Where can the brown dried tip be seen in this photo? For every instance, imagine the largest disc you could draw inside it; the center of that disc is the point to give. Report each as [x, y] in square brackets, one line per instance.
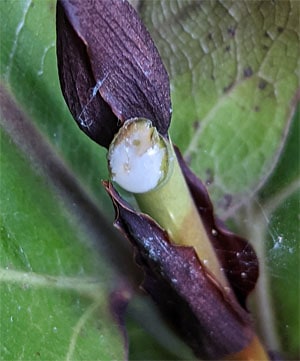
[109, 68]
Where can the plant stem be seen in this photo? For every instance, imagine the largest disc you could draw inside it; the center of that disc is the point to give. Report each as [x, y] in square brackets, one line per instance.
[139, 158]
[145, 164]
[172, 206]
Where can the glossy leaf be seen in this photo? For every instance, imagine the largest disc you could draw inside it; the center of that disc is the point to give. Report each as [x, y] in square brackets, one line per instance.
[54, 291]
[28, 67]
[276, 239]
[234, 74]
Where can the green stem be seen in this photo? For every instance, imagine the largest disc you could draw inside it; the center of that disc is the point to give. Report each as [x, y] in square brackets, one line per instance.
[173, 208]
[145, 164]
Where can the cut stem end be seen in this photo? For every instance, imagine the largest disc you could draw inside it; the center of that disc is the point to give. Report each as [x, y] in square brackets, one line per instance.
[138, 156]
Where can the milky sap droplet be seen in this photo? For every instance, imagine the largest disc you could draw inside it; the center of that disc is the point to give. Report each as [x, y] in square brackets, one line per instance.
[137, 156]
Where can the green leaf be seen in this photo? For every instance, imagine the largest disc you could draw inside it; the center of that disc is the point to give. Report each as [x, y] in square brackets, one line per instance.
[29, 28]
[234, 71]
[277, 219]
[234, 75]
[54, 290]
[270, 221]
[65, 309]
[53, 287]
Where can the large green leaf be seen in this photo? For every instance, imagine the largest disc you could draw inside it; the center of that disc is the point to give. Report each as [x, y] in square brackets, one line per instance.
[234, 74]
[275, 215]
[233, 69]
[28, 65]
[270, 221]
[54, 293]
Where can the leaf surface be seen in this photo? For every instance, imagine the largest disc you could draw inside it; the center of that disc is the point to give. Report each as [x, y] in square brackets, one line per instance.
[28, 67]
[234, 156]
[54, 291]
[234, 70]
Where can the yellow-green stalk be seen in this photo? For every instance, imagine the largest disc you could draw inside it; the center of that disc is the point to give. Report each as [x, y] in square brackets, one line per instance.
[144, 163]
